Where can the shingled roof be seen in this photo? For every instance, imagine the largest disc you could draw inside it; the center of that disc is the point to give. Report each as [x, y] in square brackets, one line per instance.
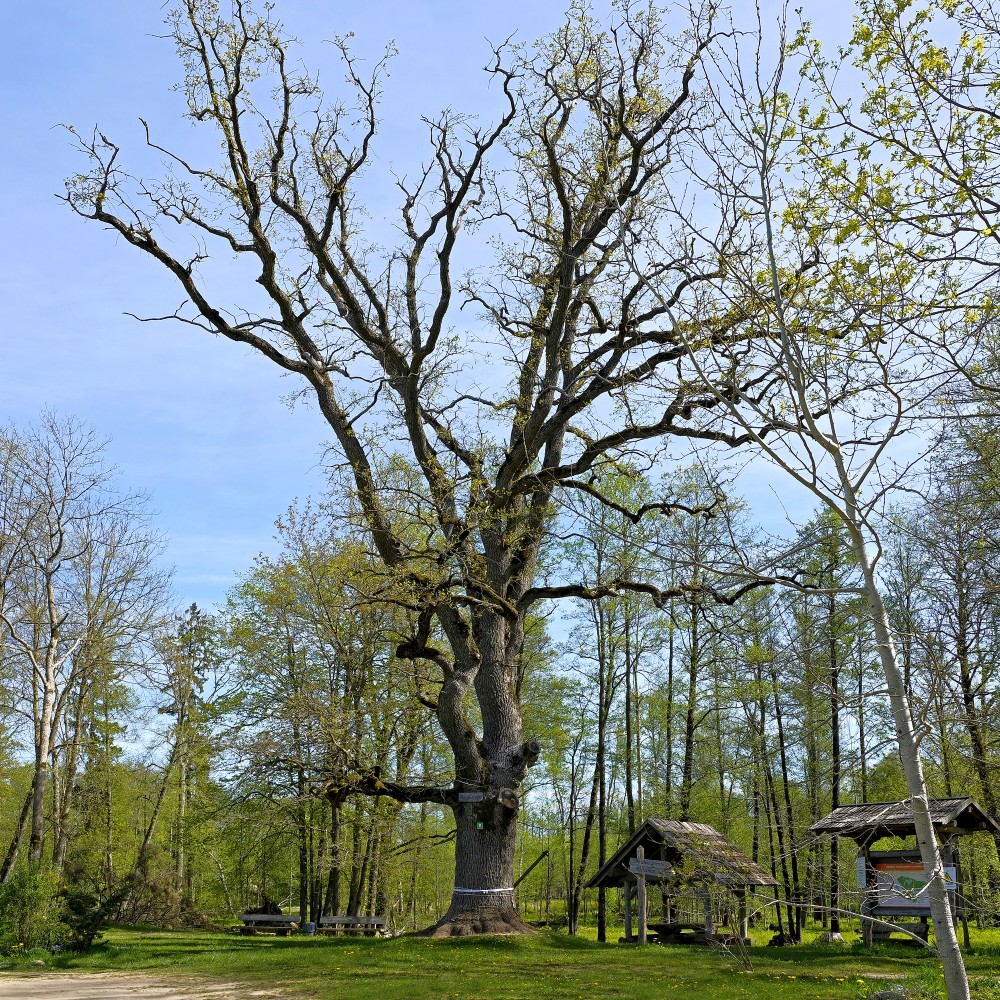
[871, 820]
[697, 850]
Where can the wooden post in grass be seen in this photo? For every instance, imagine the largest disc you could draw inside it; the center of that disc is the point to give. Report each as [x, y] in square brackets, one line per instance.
[640, 884]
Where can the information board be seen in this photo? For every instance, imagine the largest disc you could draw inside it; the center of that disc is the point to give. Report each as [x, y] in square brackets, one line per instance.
[902, 884]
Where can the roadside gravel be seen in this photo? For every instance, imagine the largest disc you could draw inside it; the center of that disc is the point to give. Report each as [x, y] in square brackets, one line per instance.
[124, 986]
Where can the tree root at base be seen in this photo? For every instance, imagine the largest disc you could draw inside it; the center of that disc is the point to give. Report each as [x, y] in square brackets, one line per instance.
[478, 922]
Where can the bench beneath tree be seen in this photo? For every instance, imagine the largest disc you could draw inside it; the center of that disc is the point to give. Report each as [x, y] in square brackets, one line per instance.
[352, 925]
[275, 923]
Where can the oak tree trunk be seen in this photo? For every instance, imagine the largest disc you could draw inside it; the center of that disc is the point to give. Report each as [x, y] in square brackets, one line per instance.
[482, 901]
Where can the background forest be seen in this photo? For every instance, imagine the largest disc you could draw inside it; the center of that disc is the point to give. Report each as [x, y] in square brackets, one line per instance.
[162, 767]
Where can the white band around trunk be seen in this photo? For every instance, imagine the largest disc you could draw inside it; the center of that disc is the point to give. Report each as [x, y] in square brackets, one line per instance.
[478, 892]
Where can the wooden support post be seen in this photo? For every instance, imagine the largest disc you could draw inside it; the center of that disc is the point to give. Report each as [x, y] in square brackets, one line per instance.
[640, 885]
[867, 897]
[665, 902]
[628, 910]
[709, 929]
[744, 923]
[950, 855]
[527, 871]
[948, 859]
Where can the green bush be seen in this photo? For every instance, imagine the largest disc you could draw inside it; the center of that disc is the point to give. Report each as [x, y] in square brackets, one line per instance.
[30, 910]
[83, 917]
[35, 912]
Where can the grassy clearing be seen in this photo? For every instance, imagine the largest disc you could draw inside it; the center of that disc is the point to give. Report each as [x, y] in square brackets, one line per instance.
[549, 965]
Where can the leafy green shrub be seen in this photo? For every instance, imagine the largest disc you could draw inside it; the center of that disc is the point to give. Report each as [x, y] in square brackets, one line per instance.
[36, 913]
[30, 910]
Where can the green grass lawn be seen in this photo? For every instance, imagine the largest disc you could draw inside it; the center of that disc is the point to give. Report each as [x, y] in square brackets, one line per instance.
[548, 965]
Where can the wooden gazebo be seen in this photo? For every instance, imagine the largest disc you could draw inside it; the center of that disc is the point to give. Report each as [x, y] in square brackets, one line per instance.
[893, 881]
[681, 859]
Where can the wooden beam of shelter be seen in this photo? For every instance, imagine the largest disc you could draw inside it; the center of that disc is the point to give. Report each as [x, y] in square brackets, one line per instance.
[866, 822]
[694, 853]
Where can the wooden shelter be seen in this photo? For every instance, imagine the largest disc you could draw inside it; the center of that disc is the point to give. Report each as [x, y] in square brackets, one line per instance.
[681, 859]
[892, 881]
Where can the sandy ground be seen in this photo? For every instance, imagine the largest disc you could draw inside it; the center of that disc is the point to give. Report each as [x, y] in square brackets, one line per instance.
[123, 986]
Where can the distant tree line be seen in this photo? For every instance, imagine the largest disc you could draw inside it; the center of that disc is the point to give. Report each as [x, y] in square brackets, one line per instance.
[183, 757]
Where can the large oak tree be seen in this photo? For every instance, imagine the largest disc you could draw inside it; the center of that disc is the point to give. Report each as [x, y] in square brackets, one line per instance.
[504, 387]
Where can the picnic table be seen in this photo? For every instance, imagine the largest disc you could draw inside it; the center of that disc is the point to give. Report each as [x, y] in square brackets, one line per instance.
[678, 932]
[352, 925]
[281, 924]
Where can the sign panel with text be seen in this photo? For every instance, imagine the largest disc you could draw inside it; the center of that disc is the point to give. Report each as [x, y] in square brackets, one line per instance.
[902, 885]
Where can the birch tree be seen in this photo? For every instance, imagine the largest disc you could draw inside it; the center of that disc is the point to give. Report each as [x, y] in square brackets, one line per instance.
[842, 374]
[77, 581]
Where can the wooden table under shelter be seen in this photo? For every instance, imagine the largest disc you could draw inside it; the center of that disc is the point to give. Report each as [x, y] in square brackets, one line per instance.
[891, 880]
[680, 860]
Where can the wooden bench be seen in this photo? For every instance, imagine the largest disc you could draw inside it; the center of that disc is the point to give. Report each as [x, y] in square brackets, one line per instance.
[882, 932]
[275, 923]
[352, 925]
[676, 932]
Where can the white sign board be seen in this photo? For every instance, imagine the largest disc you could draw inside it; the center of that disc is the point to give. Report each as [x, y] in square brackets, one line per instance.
[471, 796]
[902, 885]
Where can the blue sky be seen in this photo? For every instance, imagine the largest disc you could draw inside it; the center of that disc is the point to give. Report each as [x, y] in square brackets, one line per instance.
[196, 423]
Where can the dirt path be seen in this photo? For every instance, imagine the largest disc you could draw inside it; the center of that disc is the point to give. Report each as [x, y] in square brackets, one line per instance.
[124, 986]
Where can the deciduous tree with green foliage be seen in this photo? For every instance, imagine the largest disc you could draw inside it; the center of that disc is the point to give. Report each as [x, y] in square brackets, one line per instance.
[79, 591]
[844, 372]
[578, 173]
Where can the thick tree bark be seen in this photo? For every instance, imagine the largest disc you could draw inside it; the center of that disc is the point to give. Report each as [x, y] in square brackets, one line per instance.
[482, 901]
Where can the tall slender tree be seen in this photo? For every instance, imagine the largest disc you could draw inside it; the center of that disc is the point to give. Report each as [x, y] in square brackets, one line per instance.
[77, 583]
[845, 372]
